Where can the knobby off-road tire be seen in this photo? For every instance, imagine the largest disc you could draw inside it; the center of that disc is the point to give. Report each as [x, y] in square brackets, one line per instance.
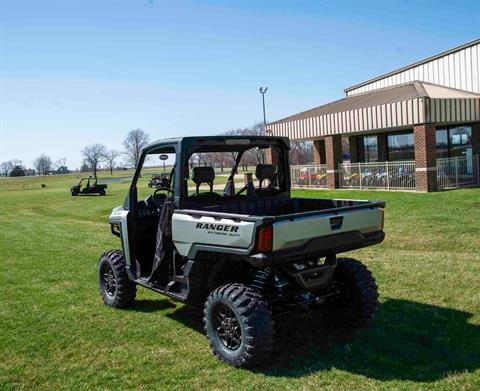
[358, 301]
[116, 289]
[246, 318]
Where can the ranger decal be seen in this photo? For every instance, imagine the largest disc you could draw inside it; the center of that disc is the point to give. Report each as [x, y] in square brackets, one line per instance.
[217, 227]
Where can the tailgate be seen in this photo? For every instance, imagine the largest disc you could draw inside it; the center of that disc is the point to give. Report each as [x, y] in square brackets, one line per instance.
[297, 231]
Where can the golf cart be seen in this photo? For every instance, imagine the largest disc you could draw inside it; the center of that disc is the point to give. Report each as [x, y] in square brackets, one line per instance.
[88, 185]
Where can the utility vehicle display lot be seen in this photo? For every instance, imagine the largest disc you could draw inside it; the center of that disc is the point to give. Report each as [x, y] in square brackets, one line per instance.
[56, 333]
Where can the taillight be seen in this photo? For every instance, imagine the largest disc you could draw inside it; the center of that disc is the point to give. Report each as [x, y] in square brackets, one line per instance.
[265, 239]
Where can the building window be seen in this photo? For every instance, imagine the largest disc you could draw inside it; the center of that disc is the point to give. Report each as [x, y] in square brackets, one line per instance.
[442, 143]
[370, 148]
[455, 141]
[460, 141]
[401, 146]
[346, 149]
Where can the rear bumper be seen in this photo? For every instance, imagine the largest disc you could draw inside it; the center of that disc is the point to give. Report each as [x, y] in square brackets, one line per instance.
[319, 247]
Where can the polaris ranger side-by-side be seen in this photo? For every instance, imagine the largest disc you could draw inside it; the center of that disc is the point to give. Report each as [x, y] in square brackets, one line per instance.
[88, 185]
[246, 255]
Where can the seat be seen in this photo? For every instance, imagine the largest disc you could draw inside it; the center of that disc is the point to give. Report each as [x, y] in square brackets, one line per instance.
[264, 172]
[204, 175]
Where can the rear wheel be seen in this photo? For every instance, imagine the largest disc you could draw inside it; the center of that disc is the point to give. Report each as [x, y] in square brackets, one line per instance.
[358, 300]
[238, 325]
[101, 192]
[116, 288]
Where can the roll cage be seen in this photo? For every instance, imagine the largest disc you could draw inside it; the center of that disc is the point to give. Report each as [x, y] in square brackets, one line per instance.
[184, 148]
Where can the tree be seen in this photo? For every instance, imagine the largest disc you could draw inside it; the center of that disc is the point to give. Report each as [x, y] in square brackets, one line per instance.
[17, 170]
[6, 167]
[84, 167]
[110, 157]
[61, 163]
[252, 156]
[93, 155]
[43, 164]
[135, 141]
[257, 154]
[301, 152]
[13, 167]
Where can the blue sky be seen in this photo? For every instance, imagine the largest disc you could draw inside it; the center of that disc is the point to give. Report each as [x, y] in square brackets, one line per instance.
[78, 72]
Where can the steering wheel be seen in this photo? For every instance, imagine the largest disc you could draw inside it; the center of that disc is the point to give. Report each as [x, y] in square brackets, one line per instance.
[154, 201]
[167, 189]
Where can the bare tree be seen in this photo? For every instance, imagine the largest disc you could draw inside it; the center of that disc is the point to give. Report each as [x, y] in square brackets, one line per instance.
[60, 163]
[135, 141]
[253, 156]
[301, 152]
[93, 155]
[6, 167]
[110, 157]
[220, 159]
[43, 164]
[84, 167]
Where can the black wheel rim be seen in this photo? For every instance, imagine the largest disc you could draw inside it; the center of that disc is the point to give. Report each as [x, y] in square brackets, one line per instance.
[345, 298]
[227, 326]
[108, 279]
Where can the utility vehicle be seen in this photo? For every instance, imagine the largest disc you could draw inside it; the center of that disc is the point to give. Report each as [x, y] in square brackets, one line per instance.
[159, 180]
[246, 255]
[88, 185]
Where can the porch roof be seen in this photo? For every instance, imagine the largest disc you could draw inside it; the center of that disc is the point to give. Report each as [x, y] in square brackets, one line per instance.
[394, 107]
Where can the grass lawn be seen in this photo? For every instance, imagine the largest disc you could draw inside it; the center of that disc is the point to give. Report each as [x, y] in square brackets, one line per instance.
[55, 332]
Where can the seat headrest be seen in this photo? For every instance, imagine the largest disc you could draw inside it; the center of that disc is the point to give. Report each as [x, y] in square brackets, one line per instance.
[265, 171]
[203, 175]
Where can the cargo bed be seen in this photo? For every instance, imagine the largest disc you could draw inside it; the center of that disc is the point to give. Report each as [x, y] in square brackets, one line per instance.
[301, 226]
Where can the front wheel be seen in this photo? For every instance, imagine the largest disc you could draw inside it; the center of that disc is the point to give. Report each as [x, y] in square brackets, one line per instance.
[116, 288]
[238, 325]
[358, 299]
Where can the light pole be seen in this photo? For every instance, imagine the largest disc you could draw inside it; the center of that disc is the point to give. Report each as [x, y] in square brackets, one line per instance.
[263, 90]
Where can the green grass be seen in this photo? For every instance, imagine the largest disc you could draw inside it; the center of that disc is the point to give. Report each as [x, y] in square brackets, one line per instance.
[55, 332]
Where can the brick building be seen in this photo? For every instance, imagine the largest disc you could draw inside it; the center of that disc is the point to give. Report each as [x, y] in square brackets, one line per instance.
[423, 118]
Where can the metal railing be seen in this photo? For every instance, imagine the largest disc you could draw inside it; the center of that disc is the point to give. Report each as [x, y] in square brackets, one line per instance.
[451, 173]
[309, 176]
[458, 171]
[378, 175]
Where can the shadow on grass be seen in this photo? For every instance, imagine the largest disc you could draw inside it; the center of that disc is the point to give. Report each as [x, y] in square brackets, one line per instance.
[152, 305]
[91, 195]
[407, 341]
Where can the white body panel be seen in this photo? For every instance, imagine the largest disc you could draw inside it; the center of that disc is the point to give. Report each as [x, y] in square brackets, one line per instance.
[192, 232]
[288, 233]
[188, 231]
[120, 216]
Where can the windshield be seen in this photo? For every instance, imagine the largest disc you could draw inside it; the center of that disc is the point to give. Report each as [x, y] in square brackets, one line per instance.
[156, 173]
